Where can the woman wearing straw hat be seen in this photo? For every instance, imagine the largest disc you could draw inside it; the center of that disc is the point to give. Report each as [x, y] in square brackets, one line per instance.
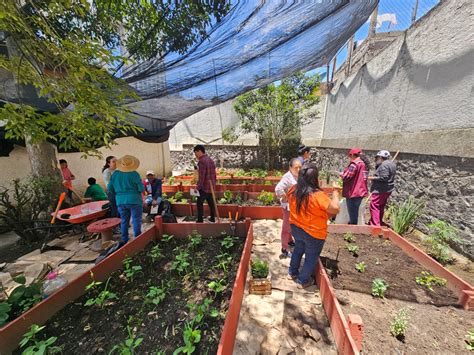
[127, 186]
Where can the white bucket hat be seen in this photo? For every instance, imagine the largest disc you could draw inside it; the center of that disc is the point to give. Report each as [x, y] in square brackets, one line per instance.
[384, 154]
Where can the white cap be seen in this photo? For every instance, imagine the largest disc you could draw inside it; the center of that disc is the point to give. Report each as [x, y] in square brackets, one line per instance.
[150, 172]
[384, 154]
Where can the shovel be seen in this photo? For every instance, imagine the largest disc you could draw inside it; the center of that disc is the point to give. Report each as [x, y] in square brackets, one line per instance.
[46, 247]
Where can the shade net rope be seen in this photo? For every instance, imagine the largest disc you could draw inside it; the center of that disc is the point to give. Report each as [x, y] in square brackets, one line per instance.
[258, 42]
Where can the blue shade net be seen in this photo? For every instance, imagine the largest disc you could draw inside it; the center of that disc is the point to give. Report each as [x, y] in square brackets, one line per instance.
[258, 42]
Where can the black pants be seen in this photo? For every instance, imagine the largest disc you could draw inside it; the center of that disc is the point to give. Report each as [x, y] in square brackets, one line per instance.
[353, 205]
[205, 196]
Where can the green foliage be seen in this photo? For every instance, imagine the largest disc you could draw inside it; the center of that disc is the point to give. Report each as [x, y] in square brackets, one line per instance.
[399, 324]
[224, 260]
[129, 345]
[181, 263]
[428, 280]
[442, 234]
[349, 237]
[199, 310]
[191, 337]
[353, 249]
[25, 202]
[171, 180]
[130, 270]
[229, 135]
[156, 294]
[379, 286]
[217, 286]
[64, 50]
[196, 240]
[229, 241]
[34, 346]
[155, 253]
[22, 298]
[227, 198]
[266, 197]
[404, 214]
[5, 309]
[103, 296]
[470, 340]
[276, 113]
[166, 238]
[360, 267]
[259, 269]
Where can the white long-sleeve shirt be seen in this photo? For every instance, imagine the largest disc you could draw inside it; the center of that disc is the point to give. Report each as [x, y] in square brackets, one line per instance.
[282, 188]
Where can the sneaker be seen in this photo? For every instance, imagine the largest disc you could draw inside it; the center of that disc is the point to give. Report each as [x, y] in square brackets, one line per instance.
[291, 244]
[212, 220]
[285, 253]
[199, 221]
[307, 284]
[292, 277]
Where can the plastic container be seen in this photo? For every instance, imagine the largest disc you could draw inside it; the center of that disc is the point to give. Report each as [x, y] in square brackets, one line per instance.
[53, 282]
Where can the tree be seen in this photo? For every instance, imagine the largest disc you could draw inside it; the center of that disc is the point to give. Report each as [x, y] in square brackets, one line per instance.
[66, 49]
[276, 114]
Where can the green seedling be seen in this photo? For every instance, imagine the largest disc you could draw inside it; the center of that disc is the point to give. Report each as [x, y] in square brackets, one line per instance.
[166, 238]
[34, 346]
[266, 197]
[216, 286]
[104, 296]
[379, 286]
[227, 197]
[214, 313]
[259, 269]
[23, 297]
[349, 237]
[403, 215]
[399, 324]
[155, 253]
[470, 340]
[191, 337]
[180, 264]
[156, 295]
[5, 309]
[428, 280]
[129, 345]
[442, 234]
[353, 249]
[171, 180]
[196, 240]
[228, 242]
[198, 311]
[360, 267]
[223, 260]
[130, 270]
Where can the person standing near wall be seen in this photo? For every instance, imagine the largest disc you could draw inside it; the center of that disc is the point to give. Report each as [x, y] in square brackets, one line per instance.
[310, 209]
[383, 183]
[354, 183]
[207, 176]
[127, 186]
[304, 154]
[68, 176]
[107, 171]
[281, 189]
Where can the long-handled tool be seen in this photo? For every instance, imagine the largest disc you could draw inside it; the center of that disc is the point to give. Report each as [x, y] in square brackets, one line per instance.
[215, 202]
[46, 247]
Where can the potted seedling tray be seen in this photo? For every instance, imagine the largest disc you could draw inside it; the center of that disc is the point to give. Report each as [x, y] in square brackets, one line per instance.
[402, 295]
[157, 293]
[260, 278]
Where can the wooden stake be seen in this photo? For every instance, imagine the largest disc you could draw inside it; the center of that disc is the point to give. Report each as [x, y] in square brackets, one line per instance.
[215, 202]
[60, 202]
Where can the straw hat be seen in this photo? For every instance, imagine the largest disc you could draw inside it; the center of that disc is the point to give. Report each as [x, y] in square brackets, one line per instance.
[128, 163]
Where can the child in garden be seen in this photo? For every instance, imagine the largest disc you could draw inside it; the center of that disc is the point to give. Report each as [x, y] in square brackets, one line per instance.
[94, 192]
[68, 176]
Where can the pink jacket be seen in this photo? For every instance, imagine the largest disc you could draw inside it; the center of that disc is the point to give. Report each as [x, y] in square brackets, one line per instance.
[354, 180]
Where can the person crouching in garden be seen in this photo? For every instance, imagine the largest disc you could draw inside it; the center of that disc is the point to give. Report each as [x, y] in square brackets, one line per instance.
[127, 186]
[354, 183]
[310, 209]
[383, 183]
[281, 189]
[153, 191]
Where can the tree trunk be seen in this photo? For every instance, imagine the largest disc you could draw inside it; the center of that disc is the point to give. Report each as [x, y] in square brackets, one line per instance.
[42, 158]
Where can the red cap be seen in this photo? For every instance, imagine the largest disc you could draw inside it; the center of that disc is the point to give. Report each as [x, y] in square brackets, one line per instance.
[355, 151]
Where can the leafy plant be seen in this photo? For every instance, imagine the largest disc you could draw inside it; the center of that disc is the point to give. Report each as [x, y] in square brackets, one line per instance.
[23, 297]
[224, 260]
[180, 263]
[5, 309]
[399, 324]
[470, 340]
[353, 249]
[266, 197]
[129, 345]
[238, 198]
[404, 214]
[227, 197]
[155, 253]
[441, 235]
[38, 347]
[228, 242]
[196, 240]
[428, 280]
[130, 270]
[379, 286]
[216, 286]
[166, 238]
[171, 180]
[198, 311]
[259, 269]
[191, 337]
[349, 237]
[156, 294]
[104, 296]
[360, 267]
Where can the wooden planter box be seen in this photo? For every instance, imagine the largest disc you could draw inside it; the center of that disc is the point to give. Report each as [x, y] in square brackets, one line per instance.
[260, 286]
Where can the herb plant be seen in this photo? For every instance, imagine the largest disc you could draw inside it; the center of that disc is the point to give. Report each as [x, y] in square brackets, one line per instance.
[156, 295]
[349, 237]
[23, 297]
[130, 270]
[5, 309]
[399, 324]
[379, 286]
[403, 215]
[104, 296]
[129, 345]
[266, 197]
[441, 235]
[259, 269]
[228, 242]
[470, 340]
[196, 240]
[34, 346]
[353, 249]
[180, 264]
[155, 253]
[360, 267]
[227, 198]
[216, 286]
[191, 337]
[428, 280]
[166, 238]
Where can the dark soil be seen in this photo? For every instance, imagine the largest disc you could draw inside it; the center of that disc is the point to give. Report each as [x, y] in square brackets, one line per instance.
[90, 330]
[383, 260]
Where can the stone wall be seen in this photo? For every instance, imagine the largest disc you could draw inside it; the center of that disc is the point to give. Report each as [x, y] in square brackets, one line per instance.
[445, 183]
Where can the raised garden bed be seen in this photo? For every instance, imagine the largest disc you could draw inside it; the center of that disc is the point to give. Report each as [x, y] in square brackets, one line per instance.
[96, 328]
[386, 255]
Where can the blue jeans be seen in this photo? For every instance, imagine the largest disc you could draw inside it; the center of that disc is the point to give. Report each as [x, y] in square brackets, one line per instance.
[353, 205]
[126, 211]
[311, 248]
